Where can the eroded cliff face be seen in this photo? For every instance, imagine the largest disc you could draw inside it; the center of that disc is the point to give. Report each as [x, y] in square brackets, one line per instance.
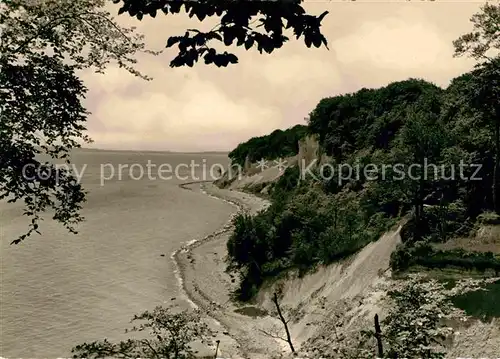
[331, 305]
[309, 150]
[328, 308]
[258, 179]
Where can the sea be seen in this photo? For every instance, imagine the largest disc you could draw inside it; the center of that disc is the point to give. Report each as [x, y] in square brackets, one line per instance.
[60, 289]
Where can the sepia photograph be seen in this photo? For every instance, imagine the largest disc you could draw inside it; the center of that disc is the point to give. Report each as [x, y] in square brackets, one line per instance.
[250, 179]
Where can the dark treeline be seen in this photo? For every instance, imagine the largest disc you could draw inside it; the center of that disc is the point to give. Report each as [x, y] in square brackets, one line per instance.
[275, 145]
[412, 122]
[425, 255]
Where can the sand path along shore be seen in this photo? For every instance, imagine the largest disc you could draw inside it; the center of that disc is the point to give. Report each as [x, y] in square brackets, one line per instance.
[203, 278]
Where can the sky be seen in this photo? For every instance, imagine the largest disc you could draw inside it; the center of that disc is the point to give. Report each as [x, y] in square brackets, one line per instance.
[205, 108]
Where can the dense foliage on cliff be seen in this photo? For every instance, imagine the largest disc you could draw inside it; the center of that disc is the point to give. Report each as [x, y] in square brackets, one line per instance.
[414, 122]
[275, 145]
[408, 149]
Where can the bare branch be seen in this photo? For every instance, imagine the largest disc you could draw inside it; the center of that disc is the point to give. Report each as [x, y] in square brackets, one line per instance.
[283, 320]
[275, 336]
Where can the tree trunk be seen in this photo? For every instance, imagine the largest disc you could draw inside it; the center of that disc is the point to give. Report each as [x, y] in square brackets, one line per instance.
[378, 336]
[216, 349]
[419, 206]
[418, 215]
[496, 169]
[288, 336]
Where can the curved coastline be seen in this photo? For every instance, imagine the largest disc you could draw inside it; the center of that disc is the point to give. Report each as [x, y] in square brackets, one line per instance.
[180, 270]
[189, 246]
[204, 282]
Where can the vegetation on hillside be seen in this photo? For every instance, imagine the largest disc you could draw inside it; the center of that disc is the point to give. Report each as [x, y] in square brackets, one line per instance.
[409, 149]
[401, 150]
[318, 219]
[277, 144]
[301, 228]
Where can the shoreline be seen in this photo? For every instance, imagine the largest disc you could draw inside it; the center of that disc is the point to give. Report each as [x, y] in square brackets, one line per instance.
[181, 269]
[203, 279]
[192, 244]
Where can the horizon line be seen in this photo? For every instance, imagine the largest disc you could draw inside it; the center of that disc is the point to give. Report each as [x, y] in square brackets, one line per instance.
[156, 151]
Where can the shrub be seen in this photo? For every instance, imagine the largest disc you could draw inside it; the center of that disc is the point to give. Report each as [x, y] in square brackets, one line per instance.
[489, 218]
[299, 230]
[171, 335]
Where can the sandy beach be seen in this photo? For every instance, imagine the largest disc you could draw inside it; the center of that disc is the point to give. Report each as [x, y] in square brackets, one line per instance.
[202, 272]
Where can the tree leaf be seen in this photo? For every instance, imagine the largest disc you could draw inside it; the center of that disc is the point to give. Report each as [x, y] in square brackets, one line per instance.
[172, 41]
[249, 43]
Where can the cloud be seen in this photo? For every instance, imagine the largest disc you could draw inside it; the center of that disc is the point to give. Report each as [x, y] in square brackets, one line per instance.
[406, 44]
[179, 121]
[209, 108]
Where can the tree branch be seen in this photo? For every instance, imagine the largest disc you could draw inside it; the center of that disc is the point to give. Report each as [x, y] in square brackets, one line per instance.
[43, 28]
[283, 320]
[275, 336]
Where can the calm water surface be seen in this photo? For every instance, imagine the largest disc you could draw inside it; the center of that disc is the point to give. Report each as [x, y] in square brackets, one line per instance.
[59, 289]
